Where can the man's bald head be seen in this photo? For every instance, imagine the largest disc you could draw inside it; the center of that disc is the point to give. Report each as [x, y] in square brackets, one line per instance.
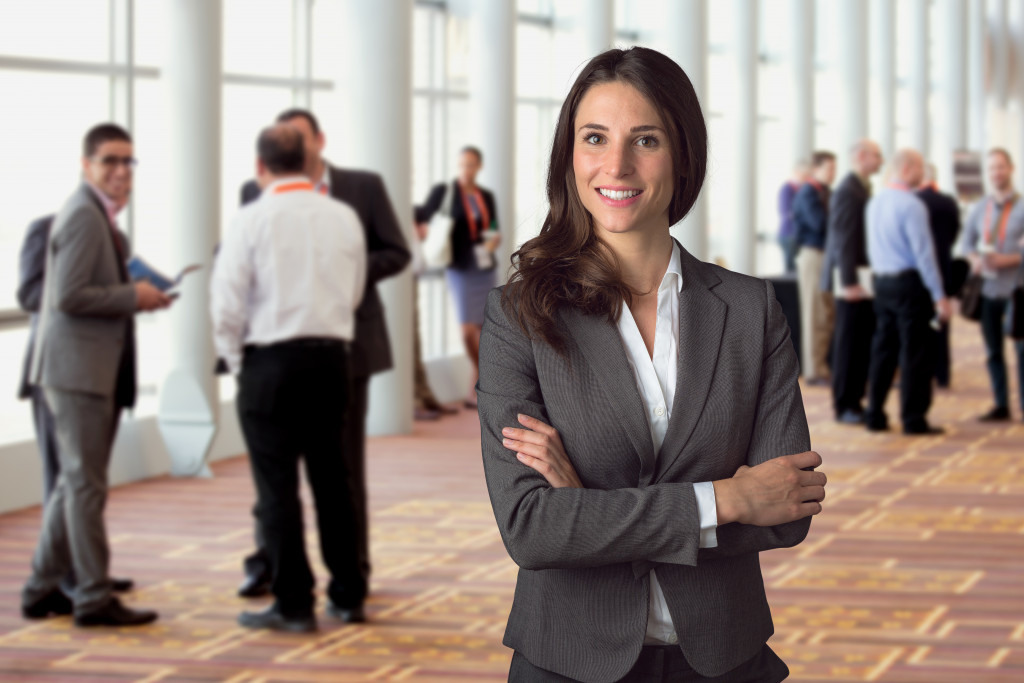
[908, 167]
[866, 156]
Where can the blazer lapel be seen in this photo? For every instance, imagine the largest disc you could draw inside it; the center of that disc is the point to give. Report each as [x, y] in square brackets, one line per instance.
[701, 325]
[601, 345]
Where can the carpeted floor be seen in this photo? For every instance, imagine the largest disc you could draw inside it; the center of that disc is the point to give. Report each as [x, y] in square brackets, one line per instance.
[915, 572]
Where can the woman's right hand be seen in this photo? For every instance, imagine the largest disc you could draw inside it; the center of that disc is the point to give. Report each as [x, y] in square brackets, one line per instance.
[777, 491]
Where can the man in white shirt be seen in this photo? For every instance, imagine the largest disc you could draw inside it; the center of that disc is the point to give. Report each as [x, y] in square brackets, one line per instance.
[287, 281]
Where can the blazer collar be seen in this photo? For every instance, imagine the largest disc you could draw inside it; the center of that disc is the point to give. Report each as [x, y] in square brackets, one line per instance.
[702, 321]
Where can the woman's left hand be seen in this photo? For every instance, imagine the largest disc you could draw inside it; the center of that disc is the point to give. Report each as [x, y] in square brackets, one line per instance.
[539, 446]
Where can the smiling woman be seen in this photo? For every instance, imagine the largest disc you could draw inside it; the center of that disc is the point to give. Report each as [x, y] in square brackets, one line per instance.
[642, 429]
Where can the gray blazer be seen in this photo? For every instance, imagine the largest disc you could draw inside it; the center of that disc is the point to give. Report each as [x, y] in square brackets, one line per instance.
[581, 598]
[86, 316]
[31, 269]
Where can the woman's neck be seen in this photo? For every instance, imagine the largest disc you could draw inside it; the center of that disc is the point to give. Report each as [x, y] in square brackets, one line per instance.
[468, 185]
[643, 258]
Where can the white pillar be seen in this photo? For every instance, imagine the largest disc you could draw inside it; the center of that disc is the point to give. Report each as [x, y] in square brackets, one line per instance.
[493, 111]
[1016, 22]
[192, 73]
[686, 22]
[1000, 51]
[853, 73]
[801, 62]
[954, 81]
[374, 84]
[883, 52]
[744, 236]
[977, 27]
[919, 77]
[598, 20]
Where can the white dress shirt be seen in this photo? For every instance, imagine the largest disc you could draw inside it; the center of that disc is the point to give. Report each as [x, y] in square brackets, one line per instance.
[292, 265]
[656, 381]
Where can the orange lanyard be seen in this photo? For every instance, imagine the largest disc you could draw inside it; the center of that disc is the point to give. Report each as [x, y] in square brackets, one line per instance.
[1003, 220]
[293, 187]
[470, 218]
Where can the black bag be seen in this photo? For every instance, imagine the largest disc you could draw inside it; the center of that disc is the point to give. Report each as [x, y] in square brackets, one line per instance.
[970, 298]
[1015, 324]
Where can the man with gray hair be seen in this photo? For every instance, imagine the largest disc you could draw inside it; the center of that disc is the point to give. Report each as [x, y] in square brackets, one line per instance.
[909, 296]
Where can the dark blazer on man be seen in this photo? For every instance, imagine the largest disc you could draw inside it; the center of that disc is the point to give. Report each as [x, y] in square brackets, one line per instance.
[810, 215]
[388, 255]
[31, 269]
[845, 243]
[944, 215]
[581, 599]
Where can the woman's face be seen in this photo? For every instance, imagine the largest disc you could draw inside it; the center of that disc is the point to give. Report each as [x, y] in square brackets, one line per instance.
[469, 166]
[622, 161]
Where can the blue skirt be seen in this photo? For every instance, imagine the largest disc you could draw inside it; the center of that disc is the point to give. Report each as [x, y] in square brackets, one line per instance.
[469, 290]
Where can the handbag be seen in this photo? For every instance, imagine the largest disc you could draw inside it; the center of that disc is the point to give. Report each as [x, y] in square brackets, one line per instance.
[437, 247]
[970, 298]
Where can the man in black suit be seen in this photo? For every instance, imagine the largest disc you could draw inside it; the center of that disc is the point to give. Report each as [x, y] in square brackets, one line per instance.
[387, 255]
[845, 271]
[944, 217]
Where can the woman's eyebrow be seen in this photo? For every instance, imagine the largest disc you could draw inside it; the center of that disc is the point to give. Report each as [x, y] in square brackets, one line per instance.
[634, 129]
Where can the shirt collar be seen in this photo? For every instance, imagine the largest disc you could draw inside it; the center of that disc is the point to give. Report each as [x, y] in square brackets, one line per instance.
[109, 205]
[325, 178]
[285, 180]
[1002, 199]
[675, 268]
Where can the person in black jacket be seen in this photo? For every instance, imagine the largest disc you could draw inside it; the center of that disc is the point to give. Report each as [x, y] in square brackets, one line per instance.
[474, 239]
[944, 217]
[846, 260]
[388, 253]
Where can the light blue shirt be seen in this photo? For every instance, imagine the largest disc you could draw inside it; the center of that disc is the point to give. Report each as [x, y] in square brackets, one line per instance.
[1000, 283]
[899, 238]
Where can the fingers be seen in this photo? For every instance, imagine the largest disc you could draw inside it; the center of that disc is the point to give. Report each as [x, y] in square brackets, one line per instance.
[536, 425]
[812, 478]
[804, 460]
[812, 494]
[526, 436]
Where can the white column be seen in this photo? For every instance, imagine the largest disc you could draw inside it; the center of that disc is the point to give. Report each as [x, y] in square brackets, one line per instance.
[853, 73]
[374, 84]
[1000, 51]
[954, 82]
[1016, 22]
[919, 77]
[192, 73]
[978, 28]
[686, 26]
[744, 236]
[883, 51]
[801, 75]
[598, 21]
[493, 111]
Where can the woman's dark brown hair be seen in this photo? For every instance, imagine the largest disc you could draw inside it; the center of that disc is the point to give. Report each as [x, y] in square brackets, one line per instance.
[566, 264]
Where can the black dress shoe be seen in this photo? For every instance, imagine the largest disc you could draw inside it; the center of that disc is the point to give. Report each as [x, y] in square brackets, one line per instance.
[850, 417]
[877, 426]
[924, 430]
[273, 619]
[347, 615]
[121, 585]
[254, 586]
[115, 614]
[54, 602]
[997, 414]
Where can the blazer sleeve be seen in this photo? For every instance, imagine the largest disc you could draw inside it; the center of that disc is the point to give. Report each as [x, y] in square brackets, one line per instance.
[388, 253]
[846, 215]
[250, 192]
[780, 428]
[422, 213]
[801, 215]
[557, 528]
[78, 246]
[32, 264]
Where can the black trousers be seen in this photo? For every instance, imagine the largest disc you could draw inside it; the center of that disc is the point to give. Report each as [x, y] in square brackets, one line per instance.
[943, 360]
[903, 338]
[258, 563]
[292, 402]
[665, 664]
[851, 353]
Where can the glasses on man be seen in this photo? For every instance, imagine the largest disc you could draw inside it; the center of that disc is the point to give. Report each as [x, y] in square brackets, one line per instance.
[112, 161]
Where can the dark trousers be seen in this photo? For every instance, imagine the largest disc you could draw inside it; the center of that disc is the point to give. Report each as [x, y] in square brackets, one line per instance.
[292, 402]
[259, 563]
[943, 360]
[851, 353]
[665, 664]
[46, 440]
[993, 313]
[789, 249]
[903, 338]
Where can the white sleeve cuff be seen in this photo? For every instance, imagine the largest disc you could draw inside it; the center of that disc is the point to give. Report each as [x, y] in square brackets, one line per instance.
[707, 508]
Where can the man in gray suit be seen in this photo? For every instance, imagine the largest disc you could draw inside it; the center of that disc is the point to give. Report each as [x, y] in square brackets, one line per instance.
[84, 359]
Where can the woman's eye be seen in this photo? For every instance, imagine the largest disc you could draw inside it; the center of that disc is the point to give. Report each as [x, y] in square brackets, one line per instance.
[593, 139]
[647, 141]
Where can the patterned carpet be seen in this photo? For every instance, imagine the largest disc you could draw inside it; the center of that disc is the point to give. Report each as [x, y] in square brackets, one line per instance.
[915, 572]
